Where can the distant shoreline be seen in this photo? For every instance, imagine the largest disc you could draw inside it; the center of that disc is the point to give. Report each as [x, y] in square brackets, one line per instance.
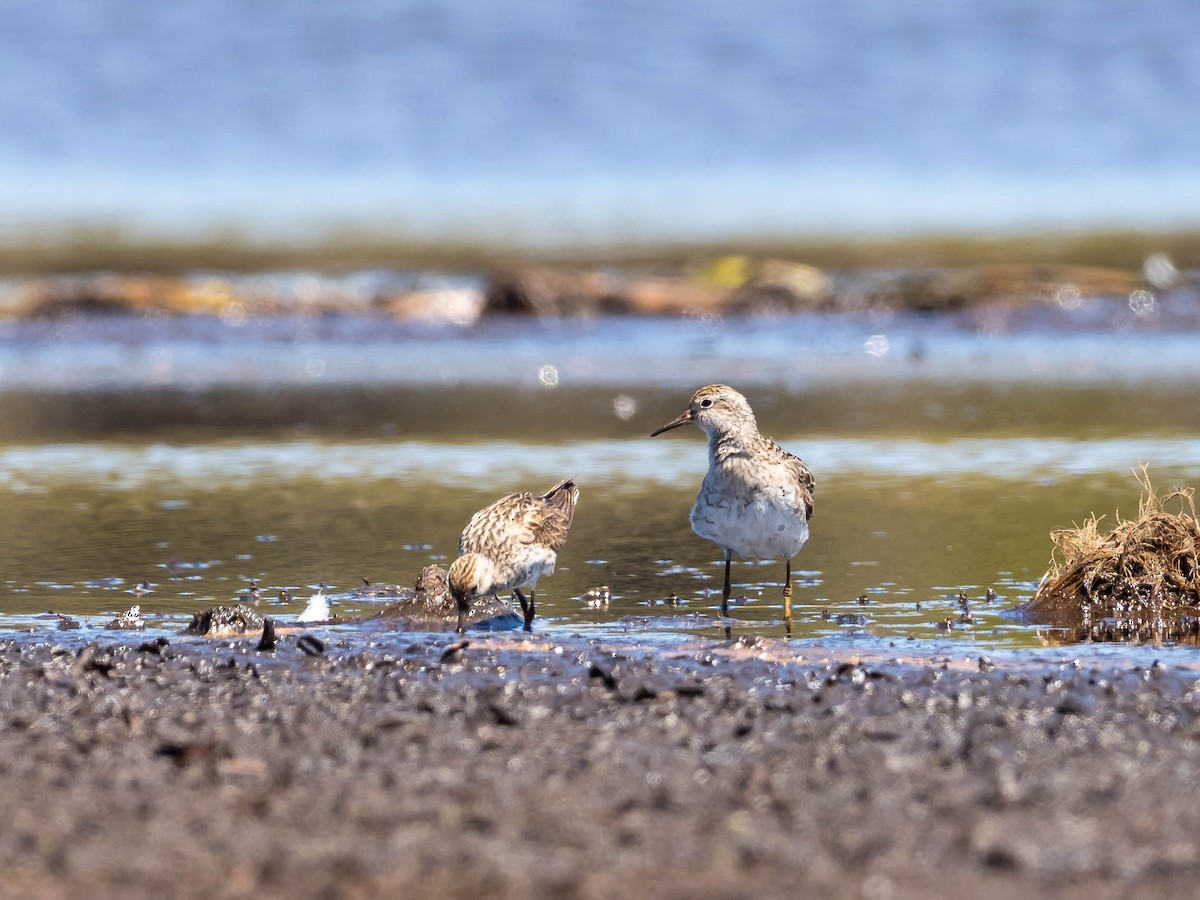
[74, 249]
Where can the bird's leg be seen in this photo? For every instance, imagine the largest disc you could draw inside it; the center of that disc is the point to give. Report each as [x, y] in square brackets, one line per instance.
[787, 598]
[526, 608]
[726, 590]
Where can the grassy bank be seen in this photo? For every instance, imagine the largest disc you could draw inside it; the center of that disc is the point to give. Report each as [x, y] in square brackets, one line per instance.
[83, 249]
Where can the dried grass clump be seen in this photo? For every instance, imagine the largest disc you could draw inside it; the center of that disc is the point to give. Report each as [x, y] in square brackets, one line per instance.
[1139, 581]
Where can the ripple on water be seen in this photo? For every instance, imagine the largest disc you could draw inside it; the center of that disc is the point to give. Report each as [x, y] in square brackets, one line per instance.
[629, 463]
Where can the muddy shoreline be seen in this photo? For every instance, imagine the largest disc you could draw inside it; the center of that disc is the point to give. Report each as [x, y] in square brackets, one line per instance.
[724, 286]
[236, 278]
[518, 768]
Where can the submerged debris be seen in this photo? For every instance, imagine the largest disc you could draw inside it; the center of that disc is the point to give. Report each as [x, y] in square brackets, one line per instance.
[374, 591]
[453, 650]
[310, 646]
[130, 620]
[1140, 581]
[225, 621]
[597, 597]
[434, 581]
[428, 601]
[250, 595]
[65, 622]
[268, 641]
[669, 600]
[428, 607]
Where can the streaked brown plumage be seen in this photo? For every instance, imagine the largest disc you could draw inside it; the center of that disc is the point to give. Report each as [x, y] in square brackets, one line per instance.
[756, 498]
[511, 544]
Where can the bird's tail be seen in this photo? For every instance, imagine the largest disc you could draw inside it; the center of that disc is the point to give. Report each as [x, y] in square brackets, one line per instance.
[563, 496]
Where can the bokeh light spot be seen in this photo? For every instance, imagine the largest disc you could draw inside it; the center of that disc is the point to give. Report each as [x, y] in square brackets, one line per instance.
[624, 406]
[877, 345]
[1142, 303]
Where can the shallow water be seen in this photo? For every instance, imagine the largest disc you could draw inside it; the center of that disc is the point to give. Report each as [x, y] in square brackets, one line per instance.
[926, 486]
[200, 521]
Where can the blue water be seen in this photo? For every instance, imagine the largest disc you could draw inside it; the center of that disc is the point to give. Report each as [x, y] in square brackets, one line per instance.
[797, 352]
[551, 122]
[623, 464]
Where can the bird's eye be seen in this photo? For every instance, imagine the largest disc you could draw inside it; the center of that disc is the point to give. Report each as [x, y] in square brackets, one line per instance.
[706, 403]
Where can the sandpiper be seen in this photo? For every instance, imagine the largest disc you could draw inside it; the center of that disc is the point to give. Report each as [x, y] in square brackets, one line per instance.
[510, 545]
[756, 498]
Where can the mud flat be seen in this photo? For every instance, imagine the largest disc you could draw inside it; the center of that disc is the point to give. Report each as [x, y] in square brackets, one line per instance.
[986, 277]
[735, 286]
[513, 768]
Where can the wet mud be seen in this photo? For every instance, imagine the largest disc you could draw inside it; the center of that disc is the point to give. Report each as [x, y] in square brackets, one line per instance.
[427, 606]
[500, 766]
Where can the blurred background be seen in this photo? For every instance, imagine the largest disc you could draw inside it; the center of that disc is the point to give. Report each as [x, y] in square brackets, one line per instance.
[534, 124]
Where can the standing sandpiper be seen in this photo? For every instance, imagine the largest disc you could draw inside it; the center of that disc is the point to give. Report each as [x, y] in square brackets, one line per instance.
[511, 544]
[756, 498]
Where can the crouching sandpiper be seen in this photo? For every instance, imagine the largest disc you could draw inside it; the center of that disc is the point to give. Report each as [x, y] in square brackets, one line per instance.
[510, 545]
[756, 498]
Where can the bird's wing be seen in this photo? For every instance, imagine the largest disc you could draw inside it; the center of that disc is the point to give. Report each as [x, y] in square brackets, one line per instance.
[543, 520]
[476, 536]
[804, 479]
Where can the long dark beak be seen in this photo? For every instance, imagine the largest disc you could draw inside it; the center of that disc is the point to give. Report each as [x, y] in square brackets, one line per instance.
[684, 418]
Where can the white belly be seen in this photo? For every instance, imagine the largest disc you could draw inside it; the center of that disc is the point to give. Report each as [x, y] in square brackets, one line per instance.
[522, 568]
[770, 524]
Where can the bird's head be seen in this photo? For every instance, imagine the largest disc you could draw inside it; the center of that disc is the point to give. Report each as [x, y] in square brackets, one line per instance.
[713, 409]
[471, 575]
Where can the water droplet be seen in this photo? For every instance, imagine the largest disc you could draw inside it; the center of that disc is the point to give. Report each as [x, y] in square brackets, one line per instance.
[877, 345]
[624, 406]
[1142, 303]
[1068, 297]
[1160, 271]
[234, 315]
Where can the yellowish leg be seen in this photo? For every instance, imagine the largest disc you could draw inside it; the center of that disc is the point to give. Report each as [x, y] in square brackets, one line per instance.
[787, 598]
